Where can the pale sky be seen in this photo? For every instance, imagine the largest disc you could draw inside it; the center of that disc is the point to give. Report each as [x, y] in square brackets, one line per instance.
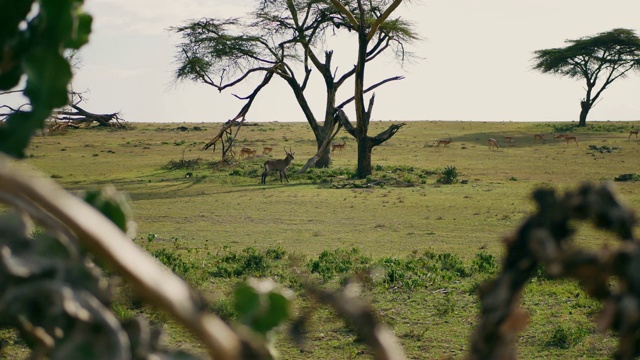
[474, 63]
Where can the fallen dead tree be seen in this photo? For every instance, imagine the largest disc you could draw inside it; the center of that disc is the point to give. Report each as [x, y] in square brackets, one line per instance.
[78, 117]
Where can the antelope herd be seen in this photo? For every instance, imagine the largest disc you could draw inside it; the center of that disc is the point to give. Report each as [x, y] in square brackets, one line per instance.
[281, 165]
[509, 140]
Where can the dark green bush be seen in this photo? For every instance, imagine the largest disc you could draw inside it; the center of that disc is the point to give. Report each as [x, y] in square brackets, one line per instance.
[449, 175]
[484, 263]
[338, 262]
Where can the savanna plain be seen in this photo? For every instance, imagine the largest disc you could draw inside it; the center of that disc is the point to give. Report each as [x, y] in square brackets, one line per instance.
[431, 219]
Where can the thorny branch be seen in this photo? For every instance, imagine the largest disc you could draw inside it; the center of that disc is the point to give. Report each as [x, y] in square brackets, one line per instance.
[545, 238]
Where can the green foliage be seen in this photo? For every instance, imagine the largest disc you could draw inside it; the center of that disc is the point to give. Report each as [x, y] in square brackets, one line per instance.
[449, 175]
[183, 164]
[572, 127]
[114, 205]
[224, 307]
[338, 262]
[248, 262]
[34, 47]
[627, 177]
[616, 50]
[567, 336]
[190, 271]
[484, 263]
[262, 305]
[604, 149]
[427, 270]
[446, 304]
[598, 59]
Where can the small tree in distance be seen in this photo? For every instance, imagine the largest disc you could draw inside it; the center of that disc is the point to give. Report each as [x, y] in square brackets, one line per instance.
[599, 59]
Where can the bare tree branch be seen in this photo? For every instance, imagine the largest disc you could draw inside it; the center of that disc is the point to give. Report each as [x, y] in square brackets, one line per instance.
[153, 282]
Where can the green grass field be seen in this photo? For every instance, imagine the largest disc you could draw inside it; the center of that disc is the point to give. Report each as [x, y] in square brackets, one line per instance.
[401, 211]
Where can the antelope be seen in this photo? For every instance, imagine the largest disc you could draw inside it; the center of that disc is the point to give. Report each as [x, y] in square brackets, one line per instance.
[508, 140]
[266, 150]
[538, 137]
[570, 138]
[247, 152]
[444, 142]
[559, 136]
[338, 146]
[492, 143]
[277, 165]
[633, 132]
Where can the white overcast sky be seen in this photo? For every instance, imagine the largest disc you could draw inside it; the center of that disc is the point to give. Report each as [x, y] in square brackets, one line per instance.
[474, 63]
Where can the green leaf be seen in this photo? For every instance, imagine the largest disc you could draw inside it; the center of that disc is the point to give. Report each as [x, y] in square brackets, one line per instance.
[49, 74]
[262, 305]
[113, 205]
[10, 78]
[247, 301]
[16, 132]
[81, 31]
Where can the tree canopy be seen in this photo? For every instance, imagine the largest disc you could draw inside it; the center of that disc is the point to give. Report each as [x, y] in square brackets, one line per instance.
[599, 60]
[288, 39]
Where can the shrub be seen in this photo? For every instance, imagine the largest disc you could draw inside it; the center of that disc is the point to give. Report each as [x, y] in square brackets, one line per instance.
[183, 164]
[249, 262]
[330, 264]
[430, 269]
[189, 271]
[627, 177]
[484, 263]
[565, 337]
[448, 175]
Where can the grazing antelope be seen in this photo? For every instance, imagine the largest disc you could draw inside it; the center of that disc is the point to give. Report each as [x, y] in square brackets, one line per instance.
[247, 152]
[633, 132]
[266, 150]
[538, 137]
[492, 143]
[508, 140]
[280, 165]
[338, 146]
[571, 138]
[444, 142]
[559, 136]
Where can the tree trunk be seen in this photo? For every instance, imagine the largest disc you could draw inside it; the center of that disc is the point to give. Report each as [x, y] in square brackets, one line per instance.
[364, 157]
[585, 106]
[325, 158]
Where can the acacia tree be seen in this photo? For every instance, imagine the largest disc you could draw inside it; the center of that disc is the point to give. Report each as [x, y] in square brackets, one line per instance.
[371, 24]
[599, 60]
[288, 39]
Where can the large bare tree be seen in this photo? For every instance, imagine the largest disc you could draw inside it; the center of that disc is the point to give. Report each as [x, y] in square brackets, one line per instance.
[288, 39]
[372, 26]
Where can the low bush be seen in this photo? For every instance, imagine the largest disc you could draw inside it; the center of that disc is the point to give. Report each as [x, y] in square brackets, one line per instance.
[448, 175]
[567, 336]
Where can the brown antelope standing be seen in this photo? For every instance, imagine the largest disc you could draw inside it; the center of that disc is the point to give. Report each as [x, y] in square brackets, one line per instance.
[266, 150]
[279, 165]
[444, 143]
[247, 152]
[570, 138]
[633, 132]
[538, 137]
[559, 136]
[508, 140]
[493, 143]
[338, 146]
